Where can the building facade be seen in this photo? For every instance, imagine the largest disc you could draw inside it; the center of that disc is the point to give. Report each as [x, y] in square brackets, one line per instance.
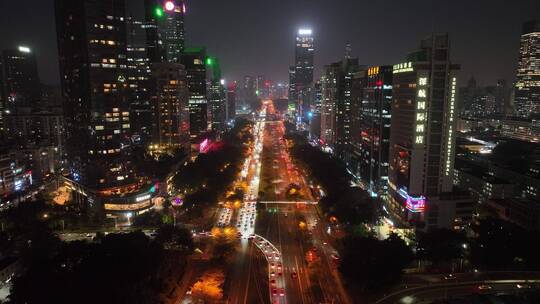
[165, 30]
[92, 50]
[19, 80]
[194, 60]
[422, 137]
[170, 102]
[303, 70]
[373, 134]
[231, 101]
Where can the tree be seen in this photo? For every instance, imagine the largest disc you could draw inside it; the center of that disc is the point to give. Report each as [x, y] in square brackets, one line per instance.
[501, 245]
[148, 219]
[209, 288]
[441, 246]
[373, 264]
[122, 268]
[172, 237]
[224, 249]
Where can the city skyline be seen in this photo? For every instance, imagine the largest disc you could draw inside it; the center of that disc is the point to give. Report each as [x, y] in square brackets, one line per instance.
[488, 51]
[340, 152]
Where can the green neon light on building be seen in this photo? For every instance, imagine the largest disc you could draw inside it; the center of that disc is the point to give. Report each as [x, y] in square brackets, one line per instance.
[159, 12]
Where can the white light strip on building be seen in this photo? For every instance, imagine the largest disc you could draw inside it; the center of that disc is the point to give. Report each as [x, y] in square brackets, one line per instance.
[450, 127]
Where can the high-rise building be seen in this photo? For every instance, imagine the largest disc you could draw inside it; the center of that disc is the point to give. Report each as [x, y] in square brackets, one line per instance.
[194, 60]
[370, 136]
[422, 137]
[165, 29]
[329, 96]
[355, 156]
[349, 66]
[142, 118]
[93, 68]
[527, 98]
[336, 86]
[248, 91]
[19, 81]
[315, 113]
[100, 62]
[292, 86]
[231, 101]
[217, 95]
[170, 102]
[259, 85]
[303, 67]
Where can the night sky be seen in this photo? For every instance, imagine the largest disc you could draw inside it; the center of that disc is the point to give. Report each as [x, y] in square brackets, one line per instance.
[255, 37]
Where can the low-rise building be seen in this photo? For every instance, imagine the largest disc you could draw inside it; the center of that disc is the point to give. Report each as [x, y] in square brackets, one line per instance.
[480, 183]
[523, 212]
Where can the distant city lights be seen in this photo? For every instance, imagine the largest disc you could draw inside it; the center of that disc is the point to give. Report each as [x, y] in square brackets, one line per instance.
[304, 31]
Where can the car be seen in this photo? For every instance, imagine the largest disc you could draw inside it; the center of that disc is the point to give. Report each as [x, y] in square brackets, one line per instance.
[294, 274]
[282, 292]
[449, 277]
[272, 282]
[274, 292]
[273, 274]
[523, 286]
[484, 287]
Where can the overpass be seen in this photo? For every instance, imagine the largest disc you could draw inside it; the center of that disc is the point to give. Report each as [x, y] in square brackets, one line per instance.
[289, 202]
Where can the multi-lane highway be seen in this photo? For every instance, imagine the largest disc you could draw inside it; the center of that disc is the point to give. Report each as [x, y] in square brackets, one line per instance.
[308, 262]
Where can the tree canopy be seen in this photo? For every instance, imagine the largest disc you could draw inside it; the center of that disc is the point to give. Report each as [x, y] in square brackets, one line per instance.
[374, 264]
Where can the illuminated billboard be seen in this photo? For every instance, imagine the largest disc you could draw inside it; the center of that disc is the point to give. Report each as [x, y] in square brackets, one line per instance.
[413, 204]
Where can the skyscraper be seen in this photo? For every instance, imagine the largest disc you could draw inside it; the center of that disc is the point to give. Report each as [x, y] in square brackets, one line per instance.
[231, 101]
[99, 84]
[527, 98]
[93, 67]
[165, 29]
[336, 86]
[422, 137]
[216, 95]
[170, 101]
[315, 112]
[303, 66]
[194, 60]
[248, 91]
[19, 81]
[142, 118]
[329, 97]
[370, 136]
[292, 86]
